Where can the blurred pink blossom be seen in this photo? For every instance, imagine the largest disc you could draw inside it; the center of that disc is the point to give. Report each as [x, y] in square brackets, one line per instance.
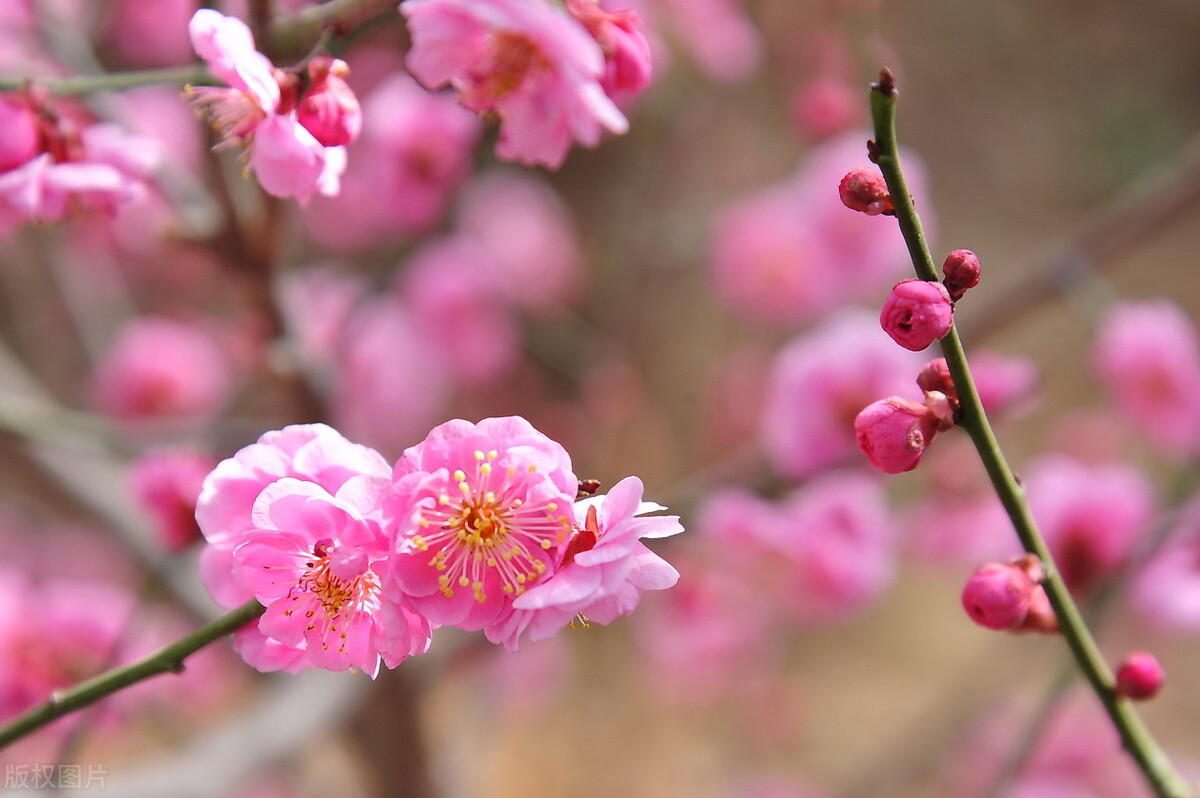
[166, 484]
[1166, 592]
[150, 34]
[531, 64]
[161, 368]
[450, 286]
[719, 37]
[415, 150]
[1092, 516]
[529, 235]
[1148, 356]
[820, 383]
[388, 384]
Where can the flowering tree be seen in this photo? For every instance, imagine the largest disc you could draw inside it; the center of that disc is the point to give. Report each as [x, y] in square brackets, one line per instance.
[339, 326]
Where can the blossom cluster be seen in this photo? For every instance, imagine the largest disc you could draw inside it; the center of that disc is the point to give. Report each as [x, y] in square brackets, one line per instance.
[477, 527]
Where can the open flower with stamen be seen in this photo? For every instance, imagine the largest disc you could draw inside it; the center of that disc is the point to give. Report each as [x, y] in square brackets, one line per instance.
[483, 511]
[604, 569]
[315, 561]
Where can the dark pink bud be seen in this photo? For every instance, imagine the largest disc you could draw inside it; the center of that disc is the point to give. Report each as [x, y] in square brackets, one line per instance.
[864, 190]
[329, 110]
[21, 140]
[1139, 676]
[894, 432]
[936, 377]
[917, 313]
[627, 67]
[961, 271]
[998, 595]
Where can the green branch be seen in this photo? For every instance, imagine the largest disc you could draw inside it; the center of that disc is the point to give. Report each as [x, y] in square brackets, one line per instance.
[1155, 765]
[166, 660]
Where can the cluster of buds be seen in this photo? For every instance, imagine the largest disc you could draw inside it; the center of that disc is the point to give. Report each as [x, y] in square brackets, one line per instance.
[894, 432]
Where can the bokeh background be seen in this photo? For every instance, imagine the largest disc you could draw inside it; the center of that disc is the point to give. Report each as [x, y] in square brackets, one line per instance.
[1059, 142]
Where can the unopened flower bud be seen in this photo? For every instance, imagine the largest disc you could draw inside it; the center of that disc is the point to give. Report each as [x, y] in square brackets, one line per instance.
[997, 595]
[961, 271]
[917, 313]
[863, 189]
[936, 377]
[1139, 676]
[329, 109]
[894, 432]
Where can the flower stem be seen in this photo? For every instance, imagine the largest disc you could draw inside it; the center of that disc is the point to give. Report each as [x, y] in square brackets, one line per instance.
[85, 84]
[168, 659]
[1135, 737]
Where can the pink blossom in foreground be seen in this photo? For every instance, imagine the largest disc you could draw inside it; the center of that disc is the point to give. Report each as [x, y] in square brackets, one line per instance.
[315, 561]
[161, 368]
[917, 313]
[1148, 356]
[254, 113]
[1092, 516]
[1139, 676]
[166, 484]
[529, 63]
[482, 512]
[820, 383]
[604, 568]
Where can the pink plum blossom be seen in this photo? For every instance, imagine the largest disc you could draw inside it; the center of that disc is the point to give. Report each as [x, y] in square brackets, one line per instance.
[150, 34]
[388, 384]
[450, 286]
[1166, 592]
[528, 232]
[161, 368]
[482, 513]
[819, 384]
[997, 595]
[1092, 516]
[166, 484]
[315, 560]
[718, 35]
[415, 150]
[1148, 356]
[790, 252]
[253, 112]
[530, 64]
[604, 568]
[314, 453]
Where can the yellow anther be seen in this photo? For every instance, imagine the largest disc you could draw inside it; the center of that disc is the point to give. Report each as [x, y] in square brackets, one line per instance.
[552, 507]
[508, 588]
[447, 592]
[546, 543]
[424, 523]
[478, 586]
[491, 561]
[493, 454]
[444, 581]
[485, 469]
[459, 475]
[532, 468]
[443, 499]
[490, 497]
[478, 455]
[463, 581]
[420, 543]
[464, 487]
[521, 578]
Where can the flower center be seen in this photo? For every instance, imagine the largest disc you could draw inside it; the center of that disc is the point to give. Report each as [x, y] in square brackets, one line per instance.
[336, 596]
[484, 527]
[511, 59]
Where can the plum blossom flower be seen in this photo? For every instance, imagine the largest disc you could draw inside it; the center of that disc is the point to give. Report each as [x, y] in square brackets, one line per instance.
[626, 50]
[1148, 356]
[529, 63]
[259, 112]
[1167, 591]
[917, 313]
[482, 512]
[166, 483]
[1092, 516]
[161, 368]
[893, 433]
[604, 568]
[315, 561]
[313, 453]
